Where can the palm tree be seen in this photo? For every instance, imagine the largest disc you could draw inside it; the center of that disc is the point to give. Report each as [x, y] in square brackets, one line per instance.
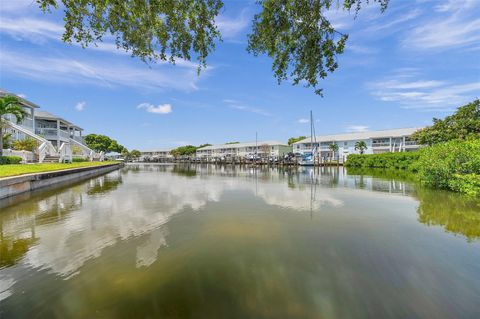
[361, 146]
[9, 105]
[334, 148]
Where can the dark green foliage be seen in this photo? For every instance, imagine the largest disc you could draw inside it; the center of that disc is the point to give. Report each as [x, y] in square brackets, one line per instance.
[403, 160]
[467, 183]
[7, 140]
[135, 153]
[391, 173]
[5, 160]
[102, 143]
[232, 143]
[453, 165]
[203, 145]
[463, 124]
[456, 214]
[299, 38]
[28, 144]
[361, 146]
[151, 30]
[79, 160]
[292, 140]
[296, 34]
[10, 104]
[333, 147]
[186, 150]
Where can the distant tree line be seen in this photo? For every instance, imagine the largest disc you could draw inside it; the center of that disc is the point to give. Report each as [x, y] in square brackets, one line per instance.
[103, 143]
[187, 150]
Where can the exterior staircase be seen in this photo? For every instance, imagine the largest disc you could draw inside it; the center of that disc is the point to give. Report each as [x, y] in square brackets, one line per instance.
[51, 159]
[47, 153]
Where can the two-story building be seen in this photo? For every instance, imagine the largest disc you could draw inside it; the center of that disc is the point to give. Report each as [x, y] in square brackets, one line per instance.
[56, 137]
[244, 150]
[158, 155]
[394, 140]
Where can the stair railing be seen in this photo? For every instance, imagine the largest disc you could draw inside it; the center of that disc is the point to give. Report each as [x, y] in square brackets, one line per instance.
[65, 153]
[89, 153]
[42, 152]
[45, 148]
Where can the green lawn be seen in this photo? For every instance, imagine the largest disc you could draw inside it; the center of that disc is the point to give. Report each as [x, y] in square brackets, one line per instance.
[21, 169]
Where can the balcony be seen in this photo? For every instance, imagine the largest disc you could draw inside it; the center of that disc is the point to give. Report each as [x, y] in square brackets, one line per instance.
[27, 122]
[51, 133]
[387, 144]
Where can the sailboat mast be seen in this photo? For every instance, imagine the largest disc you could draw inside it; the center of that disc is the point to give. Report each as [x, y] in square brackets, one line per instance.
[311, 130]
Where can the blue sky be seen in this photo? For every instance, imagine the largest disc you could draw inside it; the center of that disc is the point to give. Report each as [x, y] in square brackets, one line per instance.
[418, 60]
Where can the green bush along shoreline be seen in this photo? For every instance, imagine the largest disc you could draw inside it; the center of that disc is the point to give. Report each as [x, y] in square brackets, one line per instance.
[454, 165]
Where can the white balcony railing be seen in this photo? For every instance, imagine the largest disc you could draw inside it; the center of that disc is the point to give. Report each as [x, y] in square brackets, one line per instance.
[52, 133]
[381, 145]
[27, 122]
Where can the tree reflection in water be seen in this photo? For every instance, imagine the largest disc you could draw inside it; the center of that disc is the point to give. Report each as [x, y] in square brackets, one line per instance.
[238, 241]
[456, 214]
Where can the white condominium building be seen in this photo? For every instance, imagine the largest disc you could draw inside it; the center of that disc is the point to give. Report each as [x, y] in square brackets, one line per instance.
[244, 150]
[395, 140]
[156, 155]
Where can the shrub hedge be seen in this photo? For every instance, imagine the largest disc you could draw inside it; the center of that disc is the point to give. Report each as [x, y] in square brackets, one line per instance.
[28, 144]
[5, 160]
[403, 160]
[79, 160]
[454, 165]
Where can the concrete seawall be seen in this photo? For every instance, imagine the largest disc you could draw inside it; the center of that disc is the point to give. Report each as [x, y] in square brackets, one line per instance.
[11, 186]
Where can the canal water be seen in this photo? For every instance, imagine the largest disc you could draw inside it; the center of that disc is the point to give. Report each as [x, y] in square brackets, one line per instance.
[158, 241]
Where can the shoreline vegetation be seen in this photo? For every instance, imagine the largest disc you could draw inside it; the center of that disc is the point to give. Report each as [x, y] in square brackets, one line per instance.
[450, 160]
[22, 169]
[453, 165]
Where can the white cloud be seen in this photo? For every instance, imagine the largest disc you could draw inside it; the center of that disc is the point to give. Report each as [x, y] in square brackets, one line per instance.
[457, 26]
[23, 96]
[34, 30]
[231, 27]
[356, 128]
[13, 6]
[303, 121]
[39, 31]
[399, 20]
[159, 109]
[80, 106]
[231, 101]
[424, 94]
[398, 85]
[453, 5]
[234, 104]
[34, 65]
[361, 49]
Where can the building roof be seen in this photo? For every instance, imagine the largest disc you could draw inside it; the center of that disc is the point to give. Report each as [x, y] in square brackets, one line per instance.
[362, 135]
[157, 150]
[239, 145]
[25, 102]
[49, 116]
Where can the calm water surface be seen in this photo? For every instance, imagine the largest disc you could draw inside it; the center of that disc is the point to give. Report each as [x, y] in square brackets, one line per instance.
[230, 242]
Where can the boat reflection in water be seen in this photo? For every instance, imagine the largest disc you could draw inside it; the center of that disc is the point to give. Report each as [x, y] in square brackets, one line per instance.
[231, 241]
